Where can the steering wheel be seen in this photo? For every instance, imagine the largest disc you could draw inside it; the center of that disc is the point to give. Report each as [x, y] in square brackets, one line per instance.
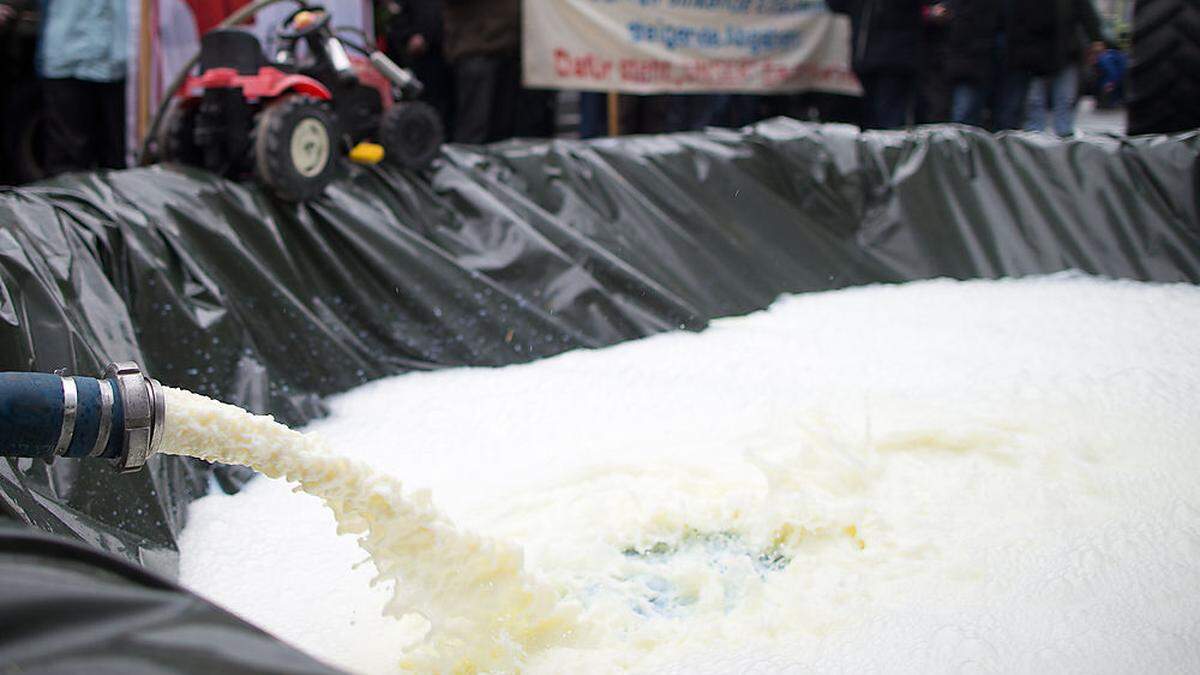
[304, 22]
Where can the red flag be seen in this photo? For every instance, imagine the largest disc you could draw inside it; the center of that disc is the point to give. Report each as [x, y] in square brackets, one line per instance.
[209, 13]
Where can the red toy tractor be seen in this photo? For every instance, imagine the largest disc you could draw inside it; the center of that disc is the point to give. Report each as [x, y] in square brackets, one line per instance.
[285, 121]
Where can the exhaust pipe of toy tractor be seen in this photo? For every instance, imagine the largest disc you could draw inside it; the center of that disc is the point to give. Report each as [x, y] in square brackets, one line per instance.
[339, 59]
[118, 417]
[401, 77]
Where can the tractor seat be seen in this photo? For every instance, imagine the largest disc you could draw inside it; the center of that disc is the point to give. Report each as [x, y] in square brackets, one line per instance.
[231, 48]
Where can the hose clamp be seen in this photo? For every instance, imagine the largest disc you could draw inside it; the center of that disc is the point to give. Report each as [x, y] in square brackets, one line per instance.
[145, 412]
[106, 412]
[66, 431]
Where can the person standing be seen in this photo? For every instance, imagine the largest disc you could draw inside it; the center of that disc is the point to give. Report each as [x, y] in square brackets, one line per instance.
[1012, 77]
[973, 58]
[1046, 40]
[1111, 67]
[483, 46]
[20, 93]
[483, 40]
[81, 60]
[415, 32]
[885, 49]
[935, 88]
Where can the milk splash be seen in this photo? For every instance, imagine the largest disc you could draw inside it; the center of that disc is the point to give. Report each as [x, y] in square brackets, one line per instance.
[485, 612]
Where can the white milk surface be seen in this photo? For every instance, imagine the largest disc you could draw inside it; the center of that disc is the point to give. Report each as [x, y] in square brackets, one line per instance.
[940, 476]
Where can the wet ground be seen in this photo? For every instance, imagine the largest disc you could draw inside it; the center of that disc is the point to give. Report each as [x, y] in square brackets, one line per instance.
[1092, 119]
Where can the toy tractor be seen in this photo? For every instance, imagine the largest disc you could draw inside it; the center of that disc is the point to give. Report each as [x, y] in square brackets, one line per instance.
[287, 120]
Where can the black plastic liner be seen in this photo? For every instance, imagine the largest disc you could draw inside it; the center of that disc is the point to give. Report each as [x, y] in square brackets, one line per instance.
[520, 251]
[68, 608]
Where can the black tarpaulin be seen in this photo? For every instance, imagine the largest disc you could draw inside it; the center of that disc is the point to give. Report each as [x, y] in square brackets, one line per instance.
[68, 608]
[522, 250]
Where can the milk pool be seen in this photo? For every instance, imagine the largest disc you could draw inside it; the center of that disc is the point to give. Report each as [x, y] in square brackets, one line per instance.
[994, 476]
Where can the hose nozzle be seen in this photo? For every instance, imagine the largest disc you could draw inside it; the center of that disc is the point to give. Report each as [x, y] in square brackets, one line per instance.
[145, 411]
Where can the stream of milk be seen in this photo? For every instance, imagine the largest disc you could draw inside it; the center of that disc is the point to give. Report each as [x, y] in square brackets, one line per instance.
[485, 612]
[991, 476]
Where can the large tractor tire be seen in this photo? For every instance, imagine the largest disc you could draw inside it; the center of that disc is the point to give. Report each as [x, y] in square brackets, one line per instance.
[176, 139]
[411, 134]
[1164, 80]
[22, 130]
[296, 147]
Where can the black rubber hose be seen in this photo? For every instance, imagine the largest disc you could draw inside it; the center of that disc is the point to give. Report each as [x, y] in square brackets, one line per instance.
[46, 416]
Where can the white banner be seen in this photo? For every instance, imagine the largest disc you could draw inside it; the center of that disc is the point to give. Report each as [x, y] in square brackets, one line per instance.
[657, 46]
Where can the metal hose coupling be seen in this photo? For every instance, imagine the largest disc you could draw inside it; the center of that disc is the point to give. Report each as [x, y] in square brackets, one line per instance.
[145, 412]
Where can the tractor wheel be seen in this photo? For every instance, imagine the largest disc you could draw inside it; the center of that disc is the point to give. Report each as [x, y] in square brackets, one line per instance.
[29, 157]
[177, 135]
[296, 145]
[22, 130]
[411, 134]
[1164, 78]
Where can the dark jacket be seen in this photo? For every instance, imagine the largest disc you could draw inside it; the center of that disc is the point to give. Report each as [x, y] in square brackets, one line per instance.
[18, 40]
[415, 17]
[1047, 35]
[886, 34]
[482, 28]
[972, 37]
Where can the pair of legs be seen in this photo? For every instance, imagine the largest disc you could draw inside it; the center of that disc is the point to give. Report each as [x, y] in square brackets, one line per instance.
[85, 125]
[433, 71]
[694, 112]
[491, 105]
[816, 106]
[1003, 90]
[888, 99]
[1007, 101]
[1055, 93]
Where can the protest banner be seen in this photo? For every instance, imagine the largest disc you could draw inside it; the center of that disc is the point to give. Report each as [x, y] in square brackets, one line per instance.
[661, 46]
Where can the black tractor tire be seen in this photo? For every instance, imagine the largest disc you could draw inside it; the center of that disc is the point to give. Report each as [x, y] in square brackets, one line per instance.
[176, 139]
[1164, 78]
[27, 155]
[22, 132]
[296, 147]
[411, 134]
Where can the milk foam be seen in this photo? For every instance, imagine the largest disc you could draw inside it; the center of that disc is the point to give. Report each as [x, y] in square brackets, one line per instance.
[937, 476]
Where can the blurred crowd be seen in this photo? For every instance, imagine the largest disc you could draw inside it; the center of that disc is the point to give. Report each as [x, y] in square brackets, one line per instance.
[62, 86]
[1000, 64]
[997, 64]
[467, 52]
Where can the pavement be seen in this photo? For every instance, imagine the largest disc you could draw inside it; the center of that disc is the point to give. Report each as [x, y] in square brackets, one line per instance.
[1089, 118]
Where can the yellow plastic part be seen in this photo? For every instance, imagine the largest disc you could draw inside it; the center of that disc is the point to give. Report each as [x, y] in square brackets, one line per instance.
[304, 19]
[367, 153]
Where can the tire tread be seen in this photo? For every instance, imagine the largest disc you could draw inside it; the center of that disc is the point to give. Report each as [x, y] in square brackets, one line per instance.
[1165, 70]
